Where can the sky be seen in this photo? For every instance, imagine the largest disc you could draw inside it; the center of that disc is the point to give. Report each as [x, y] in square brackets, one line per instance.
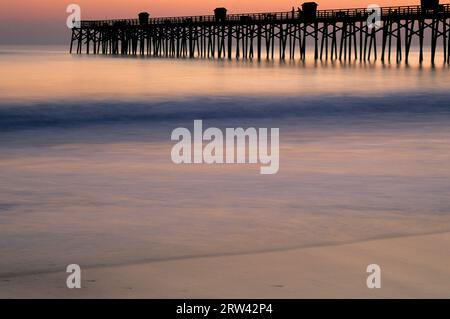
[44, 21]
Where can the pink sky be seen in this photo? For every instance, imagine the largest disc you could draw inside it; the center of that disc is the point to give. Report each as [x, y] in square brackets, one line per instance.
[43, 21]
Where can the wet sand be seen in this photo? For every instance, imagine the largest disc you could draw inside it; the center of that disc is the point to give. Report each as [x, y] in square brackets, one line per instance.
[412, 266]
[87, 178]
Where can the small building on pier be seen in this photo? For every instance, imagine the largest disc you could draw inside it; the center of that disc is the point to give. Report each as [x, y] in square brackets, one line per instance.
[143, 18]
[309, 9]
[220, 14]
[429, 4]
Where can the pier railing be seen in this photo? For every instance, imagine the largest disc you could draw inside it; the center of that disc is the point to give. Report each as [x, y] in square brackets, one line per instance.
[341, 34]
[357, 13]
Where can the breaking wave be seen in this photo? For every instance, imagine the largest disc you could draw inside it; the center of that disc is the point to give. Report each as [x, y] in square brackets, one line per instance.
[46, 114]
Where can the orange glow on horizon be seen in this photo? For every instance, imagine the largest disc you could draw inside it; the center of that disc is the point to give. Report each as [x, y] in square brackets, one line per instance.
[44, 21]
[99, 9]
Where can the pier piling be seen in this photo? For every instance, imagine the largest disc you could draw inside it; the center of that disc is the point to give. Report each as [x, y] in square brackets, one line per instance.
[341, 34]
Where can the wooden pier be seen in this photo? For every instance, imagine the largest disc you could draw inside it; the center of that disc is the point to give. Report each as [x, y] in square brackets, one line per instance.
[341, 34]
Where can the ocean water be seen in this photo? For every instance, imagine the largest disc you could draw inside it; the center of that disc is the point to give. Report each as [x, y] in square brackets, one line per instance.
[86, 175]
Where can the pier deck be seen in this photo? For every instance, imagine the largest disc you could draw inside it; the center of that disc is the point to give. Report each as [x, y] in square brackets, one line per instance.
[341, 34]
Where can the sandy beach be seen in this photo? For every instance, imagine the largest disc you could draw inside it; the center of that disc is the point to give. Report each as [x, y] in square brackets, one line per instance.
[88, 178]
[412, 267]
